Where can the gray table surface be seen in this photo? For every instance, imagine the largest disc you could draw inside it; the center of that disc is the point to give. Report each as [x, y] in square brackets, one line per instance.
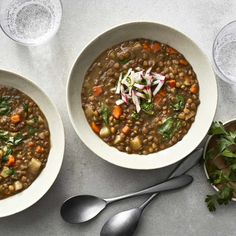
[179, 213]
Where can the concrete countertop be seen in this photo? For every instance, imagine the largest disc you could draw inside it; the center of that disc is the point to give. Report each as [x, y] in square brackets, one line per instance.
[178, 213]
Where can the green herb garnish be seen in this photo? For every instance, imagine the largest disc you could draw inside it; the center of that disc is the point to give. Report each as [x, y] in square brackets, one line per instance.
[32, 130]
[123, 62]
[135, 116]
[4, 135]
[4, 106]
[170, 126]
[180, 103]
[223, 196]
[223, 175]
[167, 128]
[25, 107]
[105, 112]
[147, 107]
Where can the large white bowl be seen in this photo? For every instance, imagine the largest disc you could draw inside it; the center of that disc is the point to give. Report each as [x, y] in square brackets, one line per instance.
[43, 182]
[165, 34]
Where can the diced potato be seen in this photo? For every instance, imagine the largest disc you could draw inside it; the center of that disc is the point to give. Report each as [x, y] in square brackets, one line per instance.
[135, 143]
[5, 172]
[40, 119]
[118, 139]
[89, 111]
[30, 122]
[104, 132]
[34, 166]
[18, 185]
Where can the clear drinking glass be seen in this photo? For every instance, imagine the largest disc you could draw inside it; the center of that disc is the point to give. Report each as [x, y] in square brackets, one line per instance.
[30, 22]
[224, 53]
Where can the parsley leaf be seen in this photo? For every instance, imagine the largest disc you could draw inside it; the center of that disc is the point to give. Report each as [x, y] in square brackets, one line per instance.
[147, 107]
[223, 196]
[217, 128]
[105, 112]
[180, 103]
[211, 202]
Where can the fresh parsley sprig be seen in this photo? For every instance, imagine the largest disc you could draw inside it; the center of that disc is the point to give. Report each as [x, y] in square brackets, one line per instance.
[225, 149]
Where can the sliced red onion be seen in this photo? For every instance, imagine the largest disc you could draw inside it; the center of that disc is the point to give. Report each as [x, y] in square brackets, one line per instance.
[139, 86]
[136, 101]
[141, 95]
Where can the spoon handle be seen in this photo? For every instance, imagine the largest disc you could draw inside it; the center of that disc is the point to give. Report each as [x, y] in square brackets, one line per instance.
[191, 160]
[170, 184]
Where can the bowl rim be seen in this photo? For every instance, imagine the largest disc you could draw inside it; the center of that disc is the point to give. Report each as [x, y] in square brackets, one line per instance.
[204, 154]
[50, 182]
[95, 38]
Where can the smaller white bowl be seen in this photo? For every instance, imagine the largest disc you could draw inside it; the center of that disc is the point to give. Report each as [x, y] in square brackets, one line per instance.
[44, 181]
[204, 155]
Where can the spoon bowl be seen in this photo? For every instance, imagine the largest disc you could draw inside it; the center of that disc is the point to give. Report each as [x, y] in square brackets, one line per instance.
[82, 208]
[122, 224]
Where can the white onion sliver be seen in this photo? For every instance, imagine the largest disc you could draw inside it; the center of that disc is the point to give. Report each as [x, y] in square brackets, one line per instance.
[158, 87]
[119, 84]
[139, 86]
[119, 102]
[140, 95]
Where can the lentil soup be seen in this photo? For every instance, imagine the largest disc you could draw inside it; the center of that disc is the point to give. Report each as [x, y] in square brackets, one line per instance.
[24, 141]
[140, 96]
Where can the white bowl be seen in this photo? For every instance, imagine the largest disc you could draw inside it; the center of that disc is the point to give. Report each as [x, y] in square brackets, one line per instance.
[44, 181]
[165, 34]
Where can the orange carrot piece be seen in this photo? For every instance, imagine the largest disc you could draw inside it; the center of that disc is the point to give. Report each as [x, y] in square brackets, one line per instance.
[39, 149]
[156, 47]
[11, 160]
[183, 62]
[126, 129]
[30, 144]
[117, 112]
[162, 93]
[171, 50]
[95, 127]
[146, 47]
[15, 119]
[194, 88]
[158, 99]
[97, 91]
[172, 83]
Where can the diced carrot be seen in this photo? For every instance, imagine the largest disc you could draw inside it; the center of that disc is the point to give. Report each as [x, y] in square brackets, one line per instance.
[171, 50]
[146, 47]
[158, 99]
[162, 93]
[194, 88]
[97, 90]
[156, 47]
[95, 127]
[30, 144]
[126, 129]
[11, 160]
[39, 149]
[172, 83]
[183, 62]
[15, 119]
[117, 112]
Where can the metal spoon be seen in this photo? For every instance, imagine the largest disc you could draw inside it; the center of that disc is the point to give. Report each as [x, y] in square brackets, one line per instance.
[82, 208]
[126, 222]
